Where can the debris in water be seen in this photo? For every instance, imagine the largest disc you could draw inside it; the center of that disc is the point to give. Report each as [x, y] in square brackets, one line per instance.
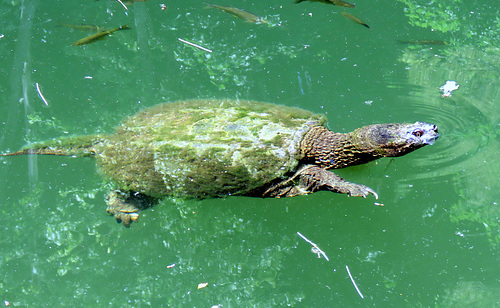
[354, 283]
[41, 95]
[448, 87]
[194, 45]
[315, 249]
[124, 6]
[202, 285]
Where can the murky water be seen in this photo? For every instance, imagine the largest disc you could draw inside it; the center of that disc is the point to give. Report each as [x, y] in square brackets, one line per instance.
[434, 242]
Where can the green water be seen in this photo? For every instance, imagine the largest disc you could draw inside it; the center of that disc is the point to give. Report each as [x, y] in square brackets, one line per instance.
[435, 242]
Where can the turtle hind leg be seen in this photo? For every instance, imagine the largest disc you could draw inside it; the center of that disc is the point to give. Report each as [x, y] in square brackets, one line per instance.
[126, 206]
[312, 178]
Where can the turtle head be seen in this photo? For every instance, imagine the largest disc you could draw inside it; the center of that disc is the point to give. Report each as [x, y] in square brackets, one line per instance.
[396, 139]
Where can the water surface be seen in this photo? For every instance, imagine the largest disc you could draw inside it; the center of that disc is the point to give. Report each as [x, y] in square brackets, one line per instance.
[434, 242]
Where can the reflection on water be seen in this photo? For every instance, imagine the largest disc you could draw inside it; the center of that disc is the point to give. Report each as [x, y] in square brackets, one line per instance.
[469, 121]
[471, 294]
[459, 138]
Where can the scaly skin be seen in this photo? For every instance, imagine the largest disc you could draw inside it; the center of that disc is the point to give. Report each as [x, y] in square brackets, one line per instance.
[323, 150]
[335, 150]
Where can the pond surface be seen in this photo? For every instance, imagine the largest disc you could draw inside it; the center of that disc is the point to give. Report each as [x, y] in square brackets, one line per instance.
[431, 240]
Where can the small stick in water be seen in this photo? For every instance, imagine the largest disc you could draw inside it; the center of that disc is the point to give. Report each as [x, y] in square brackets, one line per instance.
[194, 45]
[315, 248]
[126, 8]
[40, 94]
[354, 283]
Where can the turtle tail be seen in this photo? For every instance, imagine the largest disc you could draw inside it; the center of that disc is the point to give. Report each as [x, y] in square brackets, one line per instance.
[80, 146]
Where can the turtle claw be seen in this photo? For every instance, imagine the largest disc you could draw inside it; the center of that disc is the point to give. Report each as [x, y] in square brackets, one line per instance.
[123, 211]
[368, 191]
[125, 206]
[356, 190]
[125, 218]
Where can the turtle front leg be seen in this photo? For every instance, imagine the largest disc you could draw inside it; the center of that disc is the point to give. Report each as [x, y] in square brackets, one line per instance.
[312, 178]
[125, 206]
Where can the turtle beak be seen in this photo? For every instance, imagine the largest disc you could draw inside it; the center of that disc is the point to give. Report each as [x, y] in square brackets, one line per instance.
[416, 135]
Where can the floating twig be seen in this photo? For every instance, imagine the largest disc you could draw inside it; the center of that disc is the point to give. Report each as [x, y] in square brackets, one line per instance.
[41, 95]
[315, 248]
[194, 45]
[354, 283]
[126, 8]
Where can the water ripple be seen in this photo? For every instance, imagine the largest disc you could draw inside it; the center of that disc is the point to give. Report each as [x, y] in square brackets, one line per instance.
[465, 132]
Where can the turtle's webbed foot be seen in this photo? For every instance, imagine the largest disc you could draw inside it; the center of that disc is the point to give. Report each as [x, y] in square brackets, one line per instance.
[120, 209]
[126, 206]
[314, 178]
[125, 218]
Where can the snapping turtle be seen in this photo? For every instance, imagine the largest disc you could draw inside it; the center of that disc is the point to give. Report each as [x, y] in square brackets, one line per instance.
[216, 148]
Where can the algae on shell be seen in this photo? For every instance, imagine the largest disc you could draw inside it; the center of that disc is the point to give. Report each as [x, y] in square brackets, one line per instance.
[187, 149]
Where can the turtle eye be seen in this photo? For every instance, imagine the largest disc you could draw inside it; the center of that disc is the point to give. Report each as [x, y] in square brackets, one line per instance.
[418, 133]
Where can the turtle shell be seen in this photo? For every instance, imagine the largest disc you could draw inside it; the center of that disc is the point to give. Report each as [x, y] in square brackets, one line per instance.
[205, 148]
